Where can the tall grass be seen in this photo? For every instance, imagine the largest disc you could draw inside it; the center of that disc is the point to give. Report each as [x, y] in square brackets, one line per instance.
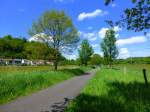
[24, 80]
[114, 90]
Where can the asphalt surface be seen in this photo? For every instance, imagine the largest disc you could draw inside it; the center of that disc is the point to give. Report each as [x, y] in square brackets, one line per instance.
[52, 99]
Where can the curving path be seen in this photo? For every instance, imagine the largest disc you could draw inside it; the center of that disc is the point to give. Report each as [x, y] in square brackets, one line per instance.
[52, 99]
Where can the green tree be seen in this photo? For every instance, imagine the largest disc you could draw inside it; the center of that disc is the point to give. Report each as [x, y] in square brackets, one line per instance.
[109, 47]
[11, 47]
[136, 18]
[77, 61]
[85, 52]
[36, 50]
[60, 28]
[96, 59]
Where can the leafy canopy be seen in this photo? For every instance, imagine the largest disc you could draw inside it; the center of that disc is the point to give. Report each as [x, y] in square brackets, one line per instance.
[12, 47]
[36, 50]
[108, 46]
[59, 32]
[136, 18]
[96, 59]
[58, 26]
[85, 52]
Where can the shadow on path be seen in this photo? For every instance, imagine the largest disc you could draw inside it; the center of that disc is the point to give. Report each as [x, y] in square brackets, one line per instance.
[59, 106]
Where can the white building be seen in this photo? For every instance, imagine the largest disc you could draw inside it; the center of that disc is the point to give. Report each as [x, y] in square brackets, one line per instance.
[15, 62]
[24, 62]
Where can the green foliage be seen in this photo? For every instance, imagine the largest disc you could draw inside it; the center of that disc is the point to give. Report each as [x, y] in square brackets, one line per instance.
[107, 2]
[60, 28]
[113, 90]
[18, 81]
[11, 47]
[68, 62]
[37, 50]
[85, 52]
[78, 61]
[96, 59]
[136, 18]
[134, 60]
[109, 47]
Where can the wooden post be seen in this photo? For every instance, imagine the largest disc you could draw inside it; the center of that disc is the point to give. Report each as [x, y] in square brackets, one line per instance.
[145, 77]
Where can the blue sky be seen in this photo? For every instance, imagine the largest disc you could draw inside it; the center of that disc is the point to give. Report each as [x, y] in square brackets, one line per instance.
[16, 17]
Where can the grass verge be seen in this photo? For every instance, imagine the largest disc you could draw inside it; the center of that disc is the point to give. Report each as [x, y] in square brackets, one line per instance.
[120, 89]
[25, 81]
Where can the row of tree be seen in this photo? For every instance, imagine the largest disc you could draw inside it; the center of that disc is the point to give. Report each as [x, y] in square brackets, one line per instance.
[95, 59]
[11, 47]
[134, 60]
[21, 48]
[108, 47]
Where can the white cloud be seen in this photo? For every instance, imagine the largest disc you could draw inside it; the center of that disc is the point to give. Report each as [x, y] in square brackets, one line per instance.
[90, 28]
[92, 36]
[40, 38]
[123, 53]
[113, 5]
[73, 56]
[148, 35]
[97, 12]
[117, 29]
[140, 53]
[95, 45]
[98, 52]
[117, 35]
[102, 31]
[132, 40]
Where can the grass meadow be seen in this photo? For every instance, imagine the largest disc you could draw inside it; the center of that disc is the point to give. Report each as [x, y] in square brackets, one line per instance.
[120, 89]
[20, 81]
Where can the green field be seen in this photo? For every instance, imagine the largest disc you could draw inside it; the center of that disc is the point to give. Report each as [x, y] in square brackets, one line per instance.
[120, 89]
[19, 81]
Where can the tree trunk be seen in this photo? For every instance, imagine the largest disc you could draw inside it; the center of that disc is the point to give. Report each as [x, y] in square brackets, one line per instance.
[56, 60]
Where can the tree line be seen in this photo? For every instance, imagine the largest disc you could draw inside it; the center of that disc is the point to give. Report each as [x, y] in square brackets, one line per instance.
[12, 47]
[134, 60]
[20, 48]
